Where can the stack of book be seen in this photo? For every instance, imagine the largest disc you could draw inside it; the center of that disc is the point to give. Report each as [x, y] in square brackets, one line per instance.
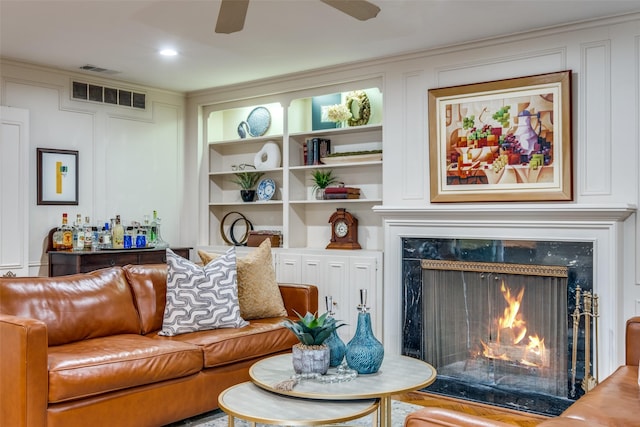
[314, 150]
[341, 193]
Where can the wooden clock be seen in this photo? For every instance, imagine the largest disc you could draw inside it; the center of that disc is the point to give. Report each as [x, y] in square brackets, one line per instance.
[344, 230]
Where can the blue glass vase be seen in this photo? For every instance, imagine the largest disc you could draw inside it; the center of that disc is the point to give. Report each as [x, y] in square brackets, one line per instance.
[364, 352]
[337, 349]
[336, 346]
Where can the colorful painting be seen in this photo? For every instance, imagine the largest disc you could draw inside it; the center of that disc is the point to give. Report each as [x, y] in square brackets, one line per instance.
[507, 140]
[57, 177]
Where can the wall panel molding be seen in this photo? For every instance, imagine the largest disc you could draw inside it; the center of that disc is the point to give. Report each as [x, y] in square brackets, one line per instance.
[593, 139]
[414, 140]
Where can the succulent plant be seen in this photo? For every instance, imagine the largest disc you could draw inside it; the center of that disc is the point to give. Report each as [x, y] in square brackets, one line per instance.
[311, 329]
[247, 180]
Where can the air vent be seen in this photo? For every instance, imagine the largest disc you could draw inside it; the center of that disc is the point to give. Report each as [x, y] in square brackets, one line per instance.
[108, 95]
[100, 70]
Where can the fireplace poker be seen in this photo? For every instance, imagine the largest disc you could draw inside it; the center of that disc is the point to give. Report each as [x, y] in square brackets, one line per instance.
[574, 352]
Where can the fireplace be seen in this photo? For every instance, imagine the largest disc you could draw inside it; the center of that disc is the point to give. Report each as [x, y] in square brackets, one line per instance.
[495, 318]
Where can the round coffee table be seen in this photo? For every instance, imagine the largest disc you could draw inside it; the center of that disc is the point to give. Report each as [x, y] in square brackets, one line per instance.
[256, 405]
[398, 374]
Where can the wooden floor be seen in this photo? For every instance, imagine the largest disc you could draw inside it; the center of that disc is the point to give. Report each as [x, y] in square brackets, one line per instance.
[486, 411]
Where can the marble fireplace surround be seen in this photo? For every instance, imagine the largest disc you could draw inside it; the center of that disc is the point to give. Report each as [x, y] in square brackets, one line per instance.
[601, 225]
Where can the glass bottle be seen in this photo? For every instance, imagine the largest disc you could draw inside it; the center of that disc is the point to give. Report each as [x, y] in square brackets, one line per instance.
[159, 243]
[364, 352]
[117, 238]
[56, 238]
[336, 346]
[88, 234]
[153, 229]
[78, 234]
[105, 237]
[67, 234]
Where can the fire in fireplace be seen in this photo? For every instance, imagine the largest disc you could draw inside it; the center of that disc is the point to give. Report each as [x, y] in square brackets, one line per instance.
[500, 333]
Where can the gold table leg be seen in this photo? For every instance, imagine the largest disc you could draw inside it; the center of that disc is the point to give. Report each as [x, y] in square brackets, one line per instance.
[385, 411]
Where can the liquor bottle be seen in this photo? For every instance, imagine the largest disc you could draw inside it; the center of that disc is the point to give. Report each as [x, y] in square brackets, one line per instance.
[117, 238]
[56, 239]
[67, 234]
[153, 230]
[88, 233]
[78, 233]
[105, 237]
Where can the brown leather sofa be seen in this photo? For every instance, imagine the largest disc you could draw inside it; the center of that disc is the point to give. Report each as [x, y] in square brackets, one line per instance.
[83, 350]
[613, 402]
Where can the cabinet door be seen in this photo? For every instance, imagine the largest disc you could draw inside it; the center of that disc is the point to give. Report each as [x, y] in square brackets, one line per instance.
[288, 268]
[14, 192]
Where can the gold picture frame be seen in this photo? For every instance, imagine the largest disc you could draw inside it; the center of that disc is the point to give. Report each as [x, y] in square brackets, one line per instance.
[505, 140]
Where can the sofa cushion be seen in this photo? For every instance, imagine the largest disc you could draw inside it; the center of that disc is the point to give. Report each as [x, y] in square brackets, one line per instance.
[149, 285]
[225, 346]
[258, 290]
[75, 307]
[117, 362]
[201, 298]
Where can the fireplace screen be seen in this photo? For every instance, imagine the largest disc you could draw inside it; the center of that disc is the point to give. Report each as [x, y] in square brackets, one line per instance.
[499, 325]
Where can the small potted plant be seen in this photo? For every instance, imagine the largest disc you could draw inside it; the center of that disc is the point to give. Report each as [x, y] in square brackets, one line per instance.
[311, 355]
[247, 182]
[322, 178]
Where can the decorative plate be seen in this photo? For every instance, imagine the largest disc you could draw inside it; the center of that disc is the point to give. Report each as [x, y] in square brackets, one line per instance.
[259, 120]
[266, 189]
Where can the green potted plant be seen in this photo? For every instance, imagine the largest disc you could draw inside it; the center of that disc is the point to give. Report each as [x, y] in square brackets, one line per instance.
[247, 182]
[322, 178]
[311, 355]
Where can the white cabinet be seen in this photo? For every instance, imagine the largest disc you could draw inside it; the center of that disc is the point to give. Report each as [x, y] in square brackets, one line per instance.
[341, 275]
[14, 192]
[293, 210]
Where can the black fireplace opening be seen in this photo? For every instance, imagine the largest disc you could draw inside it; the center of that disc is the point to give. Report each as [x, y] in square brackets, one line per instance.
[496, 319]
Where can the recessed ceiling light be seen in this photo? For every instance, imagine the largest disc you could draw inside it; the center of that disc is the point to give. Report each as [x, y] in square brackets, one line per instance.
[168, 52]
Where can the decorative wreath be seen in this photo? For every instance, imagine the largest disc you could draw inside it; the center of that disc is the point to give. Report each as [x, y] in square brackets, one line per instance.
[364, 110]
[231, 240]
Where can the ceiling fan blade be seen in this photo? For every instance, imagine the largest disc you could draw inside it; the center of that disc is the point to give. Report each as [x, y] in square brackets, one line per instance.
[231, 16]
[359, 9]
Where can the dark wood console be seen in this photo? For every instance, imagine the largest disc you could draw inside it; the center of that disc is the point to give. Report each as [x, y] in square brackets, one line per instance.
[62, 263]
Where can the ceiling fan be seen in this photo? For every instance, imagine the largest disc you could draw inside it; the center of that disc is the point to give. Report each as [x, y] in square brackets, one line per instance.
[232, 12]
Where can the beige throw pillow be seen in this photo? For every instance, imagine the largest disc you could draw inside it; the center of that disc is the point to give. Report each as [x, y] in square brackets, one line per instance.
[258, 291]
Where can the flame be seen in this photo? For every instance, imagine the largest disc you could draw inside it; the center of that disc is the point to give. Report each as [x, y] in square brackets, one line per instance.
[512, 329]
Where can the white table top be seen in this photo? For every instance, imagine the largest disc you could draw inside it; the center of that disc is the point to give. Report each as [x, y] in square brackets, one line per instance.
[398, 374]
[254, 404]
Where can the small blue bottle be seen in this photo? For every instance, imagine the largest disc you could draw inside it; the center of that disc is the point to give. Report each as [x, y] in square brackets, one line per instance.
[336, 346]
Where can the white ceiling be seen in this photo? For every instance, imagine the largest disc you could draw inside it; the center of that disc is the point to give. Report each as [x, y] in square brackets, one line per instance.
[279, 36]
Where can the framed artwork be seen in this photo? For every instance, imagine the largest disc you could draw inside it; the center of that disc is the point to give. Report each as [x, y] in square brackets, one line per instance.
[318, 114]
[506, 140]
[57, 177]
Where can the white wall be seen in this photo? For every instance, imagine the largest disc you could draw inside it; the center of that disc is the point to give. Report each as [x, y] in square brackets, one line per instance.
[132, 161]
[604, 58]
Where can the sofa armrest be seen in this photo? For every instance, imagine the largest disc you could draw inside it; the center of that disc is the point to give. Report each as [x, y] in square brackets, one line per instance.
[440, 417]
[299, 297]
[632, 341]
[24, 373]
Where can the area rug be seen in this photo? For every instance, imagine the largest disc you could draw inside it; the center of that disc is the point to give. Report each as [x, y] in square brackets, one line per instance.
[399, 410]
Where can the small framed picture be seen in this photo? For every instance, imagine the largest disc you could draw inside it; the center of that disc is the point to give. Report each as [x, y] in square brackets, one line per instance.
[57, 177]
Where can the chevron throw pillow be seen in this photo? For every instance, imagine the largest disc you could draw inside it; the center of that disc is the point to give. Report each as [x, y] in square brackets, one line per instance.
[201, 297]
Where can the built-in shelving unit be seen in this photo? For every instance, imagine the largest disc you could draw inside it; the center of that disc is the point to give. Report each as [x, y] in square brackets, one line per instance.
[293, 209]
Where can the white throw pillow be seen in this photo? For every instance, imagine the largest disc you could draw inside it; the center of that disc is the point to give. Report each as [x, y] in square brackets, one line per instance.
[201, 297]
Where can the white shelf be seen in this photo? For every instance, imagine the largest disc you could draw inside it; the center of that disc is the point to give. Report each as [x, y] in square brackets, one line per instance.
[302, 219]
